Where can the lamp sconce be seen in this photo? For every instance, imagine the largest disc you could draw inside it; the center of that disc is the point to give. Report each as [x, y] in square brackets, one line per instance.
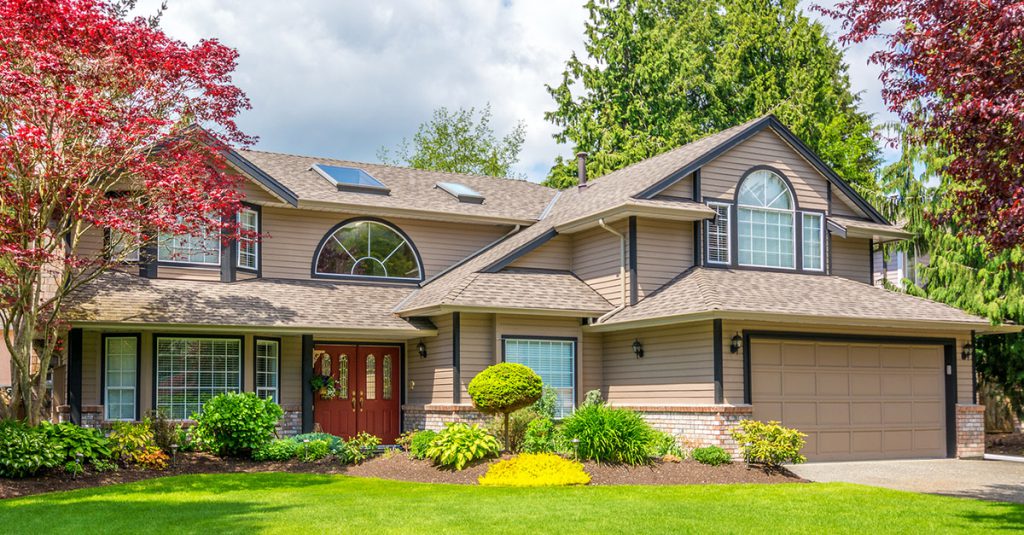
[421, 349]
[638, 349]
[736, 343]
[968, 352]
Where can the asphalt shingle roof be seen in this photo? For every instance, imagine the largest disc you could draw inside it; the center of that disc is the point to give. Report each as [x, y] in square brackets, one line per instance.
[410, 189]
[701, 290]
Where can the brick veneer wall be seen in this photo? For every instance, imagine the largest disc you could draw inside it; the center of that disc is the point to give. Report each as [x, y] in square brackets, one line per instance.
[970, 431]
[434, 416]
[291, 423]
[697, 425]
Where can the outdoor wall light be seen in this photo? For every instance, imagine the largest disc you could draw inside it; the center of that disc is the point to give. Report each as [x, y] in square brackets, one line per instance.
[968, 352]
[736, 343]
[421, 348]
[638, 349]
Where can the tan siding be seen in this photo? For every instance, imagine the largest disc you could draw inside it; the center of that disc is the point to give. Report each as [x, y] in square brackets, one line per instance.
[851, 258]
[188, 273]
[719, 178]
[677, 367]
[733, 362]
[591, 364]
[91, 354]
[91, 243]
[293, 235]
[555, 254]
[476, 349]
[840, 206]
[256, 194]
[431, 378]
[290, 379]
[683, 188]
[5, 365]
[664, 250]
[596, 260]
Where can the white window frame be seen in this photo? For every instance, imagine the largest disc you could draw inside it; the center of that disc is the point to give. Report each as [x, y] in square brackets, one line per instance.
[728, 233]
[262, 391]
[821, 241]
[119, 241]
[107, 388]
[540, 340]
[201, 374]
[332, 236]
[792, 212]
[182, 247]
[255, 227]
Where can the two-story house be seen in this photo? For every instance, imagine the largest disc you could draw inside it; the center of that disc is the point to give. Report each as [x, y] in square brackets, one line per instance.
[727, 279]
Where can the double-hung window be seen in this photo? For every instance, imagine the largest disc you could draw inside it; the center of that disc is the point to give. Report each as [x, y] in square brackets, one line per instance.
[268, 359]
[813, 233]
[718, 234]
[190, 371]
[120, 377]
[554, 361]
[202, 248]
[248, 247]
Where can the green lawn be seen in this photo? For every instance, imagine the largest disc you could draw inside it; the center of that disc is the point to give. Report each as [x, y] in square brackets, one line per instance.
[303, 503]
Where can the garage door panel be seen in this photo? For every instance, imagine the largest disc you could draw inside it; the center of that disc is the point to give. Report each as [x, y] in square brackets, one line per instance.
[799, 384]
[853, 400]
[833, 384]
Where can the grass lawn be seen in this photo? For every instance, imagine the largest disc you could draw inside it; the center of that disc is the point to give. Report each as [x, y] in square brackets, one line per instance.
[298, 503]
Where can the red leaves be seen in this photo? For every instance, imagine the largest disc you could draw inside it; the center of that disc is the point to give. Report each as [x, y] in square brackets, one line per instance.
[954, 71]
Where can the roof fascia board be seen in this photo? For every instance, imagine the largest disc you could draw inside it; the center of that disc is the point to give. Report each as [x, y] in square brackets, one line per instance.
[839, 321]
[427, 215]
[381, 334]
[262, 178]
[628, 209]
[836, 228]
[685, 171]
[527, 247]
[551, 312]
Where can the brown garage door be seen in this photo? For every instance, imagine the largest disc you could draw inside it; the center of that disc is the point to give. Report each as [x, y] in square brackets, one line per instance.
[854, 401]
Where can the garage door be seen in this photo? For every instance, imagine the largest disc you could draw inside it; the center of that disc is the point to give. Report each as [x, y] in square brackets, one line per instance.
[854, 401]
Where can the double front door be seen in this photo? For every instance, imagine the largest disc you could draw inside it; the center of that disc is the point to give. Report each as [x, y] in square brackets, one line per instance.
[364, 392]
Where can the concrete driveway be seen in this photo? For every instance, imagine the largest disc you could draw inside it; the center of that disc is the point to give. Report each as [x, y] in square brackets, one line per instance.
[985, 480]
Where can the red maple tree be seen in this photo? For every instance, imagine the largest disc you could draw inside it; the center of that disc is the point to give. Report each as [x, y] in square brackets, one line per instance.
[107, 127]
[954, 72]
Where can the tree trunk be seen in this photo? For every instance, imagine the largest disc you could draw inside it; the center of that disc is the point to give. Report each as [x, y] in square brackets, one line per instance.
[998, 414]
[508, 447]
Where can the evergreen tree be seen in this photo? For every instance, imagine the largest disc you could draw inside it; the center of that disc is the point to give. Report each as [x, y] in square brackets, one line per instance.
[661, 73]
[457, 142]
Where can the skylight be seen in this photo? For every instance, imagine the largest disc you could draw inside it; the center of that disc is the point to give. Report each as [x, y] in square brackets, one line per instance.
[351, 179]
[461, 192]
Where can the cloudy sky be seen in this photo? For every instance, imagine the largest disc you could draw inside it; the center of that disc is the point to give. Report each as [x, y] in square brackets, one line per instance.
[340, 79]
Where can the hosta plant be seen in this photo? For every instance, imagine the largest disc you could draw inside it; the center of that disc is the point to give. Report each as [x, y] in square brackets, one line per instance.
[460, 444]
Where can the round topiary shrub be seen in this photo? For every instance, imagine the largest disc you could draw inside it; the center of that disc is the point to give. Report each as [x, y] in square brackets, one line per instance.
[505, 388]
[237, 424]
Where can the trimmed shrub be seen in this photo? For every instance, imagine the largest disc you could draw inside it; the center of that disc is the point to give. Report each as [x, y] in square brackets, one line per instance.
[608, 435]
[769, 443]
[25, 450]
[460, 444]
[711, 455]
[535, 470]
[420, 443]
[539, 436]
[281, 449]
[73, 441]
[663, 444]
[503, 389]
[134, 444]
[236, 424]
[517, 423]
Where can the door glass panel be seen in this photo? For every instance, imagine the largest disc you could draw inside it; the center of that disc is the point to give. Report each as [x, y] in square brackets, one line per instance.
[343, 377]
[325, 364]
[371, 377]
[386, 371]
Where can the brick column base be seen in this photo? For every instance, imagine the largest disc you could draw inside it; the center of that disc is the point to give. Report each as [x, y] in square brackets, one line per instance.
[290, 423]
[697, 425]
[434, 416]
[970, 431]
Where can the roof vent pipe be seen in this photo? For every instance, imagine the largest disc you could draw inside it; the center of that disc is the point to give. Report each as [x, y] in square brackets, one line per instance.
[581, 168]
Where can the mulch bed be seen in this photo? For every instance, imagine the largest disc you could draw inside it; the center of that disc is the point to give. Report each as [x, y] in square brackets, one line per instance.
[399, 467]
[1005, 443]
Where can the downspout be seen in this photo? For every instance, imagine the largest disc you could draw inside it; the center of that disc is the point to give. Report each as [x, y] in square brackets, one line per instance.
[622, 271]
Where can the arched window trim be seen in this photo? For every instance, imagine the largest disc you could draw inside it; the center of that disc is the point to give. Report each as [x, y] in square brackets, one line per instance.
[793, 210]
[337, 276]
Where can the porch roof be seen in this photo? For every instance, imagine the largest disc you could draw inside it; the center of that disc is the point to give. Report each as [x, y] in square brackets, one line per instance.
[270, 304]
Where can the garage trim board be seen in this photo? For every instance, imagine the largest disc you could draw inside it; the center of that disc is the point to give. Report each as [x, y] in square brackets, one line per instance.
[949, 364]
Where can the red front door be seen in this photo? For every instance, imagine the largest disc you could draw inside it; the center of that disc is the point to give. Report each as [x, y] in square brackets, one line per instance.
[367, 390]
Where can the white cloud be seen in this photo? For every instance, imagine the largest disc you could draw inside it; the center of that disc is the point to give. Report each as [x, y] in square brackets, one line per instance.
[343, 78]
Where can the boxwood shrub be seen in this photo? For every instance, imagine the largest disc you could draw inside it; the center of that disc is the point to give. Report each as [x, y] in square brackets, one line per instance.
[236, 424]
[711, 455]
[768, 443]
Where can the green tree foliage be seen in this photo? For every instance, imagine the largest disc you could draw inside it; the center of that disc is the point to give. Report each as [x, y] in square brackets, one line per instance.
[661, 73]
[458, 142]
[962, 270]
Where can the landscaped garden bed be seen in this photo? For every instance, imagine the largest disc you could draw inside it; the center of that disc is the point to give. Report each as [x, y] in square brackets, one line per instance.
[1005, 444]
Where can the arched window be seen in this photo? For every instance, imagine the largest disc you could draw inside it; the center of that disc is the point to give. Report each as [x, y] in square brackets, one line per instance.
[766, 221]
[367, 248]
